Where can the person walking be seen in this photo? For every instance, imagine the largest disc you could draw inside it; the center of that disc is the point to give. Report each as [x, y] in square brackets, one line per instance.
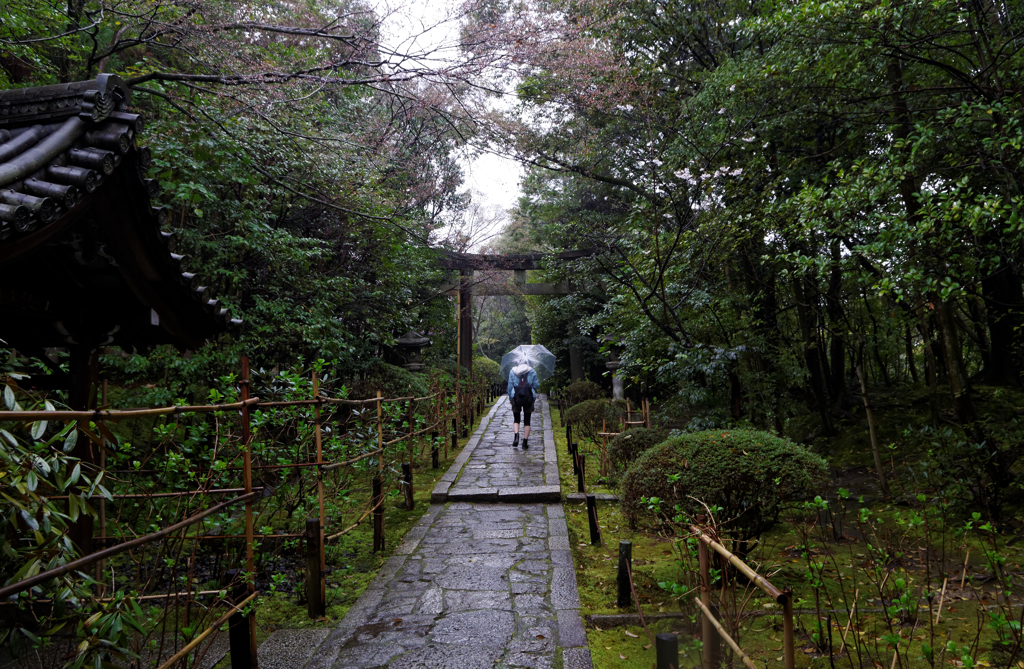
[522, 390]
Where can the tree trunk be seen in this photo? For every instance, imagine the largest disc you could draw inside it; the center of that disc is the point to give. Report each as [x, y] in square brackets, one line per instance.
[834, 308]
[955, 371]
[1004, 306]
[812, 355]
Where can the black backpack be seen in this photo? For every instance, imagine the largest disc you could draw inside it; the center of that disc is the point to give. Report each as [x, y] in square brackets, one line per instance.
[523, 394]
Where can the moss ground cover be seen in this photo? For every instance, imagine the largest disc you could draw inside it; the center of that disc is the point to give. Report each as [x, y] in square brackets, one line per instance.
[891, 561]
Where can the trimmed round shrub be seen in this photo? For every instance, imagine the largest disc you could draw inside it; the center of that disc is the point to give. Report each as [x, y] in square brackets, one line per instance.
[749, 475]
[488, 369]
[582, 391]
[588, 417]
[626, 447]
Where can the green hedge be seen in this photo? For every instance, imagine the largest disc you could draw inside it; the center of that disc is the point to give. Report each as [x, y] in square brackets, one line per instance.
[626, 447]
[583, 391]
[749, 475]
[488, 369]
[587, 418]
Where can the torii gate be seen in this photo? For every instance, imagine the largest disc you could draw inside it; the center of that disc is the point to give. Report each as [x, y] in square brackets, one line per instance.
[519, 263]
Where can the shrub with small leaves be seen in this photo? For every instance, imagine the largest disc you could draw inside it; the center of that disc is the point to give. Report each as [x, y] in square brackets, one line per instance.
[587, 418]
[627, 446]
[583, 391]
[749, 475]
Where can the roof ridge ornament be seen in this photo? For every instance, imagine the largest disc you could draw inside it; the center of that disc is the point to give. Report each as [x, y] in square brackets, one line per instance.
[94, 100]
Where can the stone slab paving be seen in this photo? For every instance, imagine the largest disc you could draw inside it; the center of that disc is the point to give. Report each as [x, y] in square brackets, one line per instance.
[474, 585]
[490, 470]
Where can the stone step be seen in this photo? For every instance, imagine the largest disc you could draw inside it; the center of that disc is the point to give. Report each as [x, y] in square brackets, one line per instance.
[581, 497]
[290, 648]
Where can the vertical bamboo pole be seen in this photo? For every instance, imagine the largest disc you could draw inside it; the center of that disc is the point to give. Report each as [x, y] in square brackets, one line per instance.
[320, 486]
[604, 447]
[709, 635]
[250, 558]
[412, 449]
[378, 511]
[787, 631]
[101, 566]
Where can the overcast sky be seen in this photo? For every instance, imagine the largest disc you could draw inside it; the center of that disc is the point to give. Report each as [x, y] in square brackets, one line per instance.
[431, 26]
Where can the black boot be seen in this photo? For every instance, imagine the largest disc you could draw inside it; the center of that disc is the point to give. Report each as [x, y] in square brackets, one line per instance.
[526, 444]
[515, 440]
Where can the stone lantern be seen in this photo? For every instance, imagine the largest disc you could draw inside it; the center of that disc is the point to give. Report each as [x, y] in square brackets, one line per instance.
[614, 364]
[412, 345]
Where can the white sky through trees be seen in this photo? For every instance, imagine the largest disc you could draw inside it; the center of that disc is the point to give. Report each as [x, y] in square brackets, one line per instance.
[430, 30]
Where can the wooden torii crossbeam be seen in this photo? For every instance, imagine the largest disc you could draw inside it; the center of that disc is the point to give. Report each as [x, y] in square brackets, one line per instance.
[519, 263]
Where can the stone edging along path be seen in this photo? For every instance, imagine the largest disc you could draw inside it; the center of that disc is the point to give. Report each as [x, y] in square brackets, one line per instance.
[475, 584]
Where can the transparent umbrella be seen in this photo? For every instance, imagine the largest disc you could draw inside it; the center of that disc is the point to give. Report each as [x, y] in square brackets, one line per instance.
[534, 355]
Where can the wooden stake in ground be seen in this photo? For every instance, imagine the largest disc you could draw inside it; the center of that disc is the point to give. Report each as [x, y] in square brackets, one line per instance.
[250, 557]
[938, 615]
[853, 610]
[882, 482]
[320, 488]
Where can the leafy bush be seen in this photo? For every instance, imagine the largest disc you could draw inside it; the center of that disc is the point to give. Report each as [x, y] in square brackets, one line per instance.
[37, 463]
[748, 475]
[583, 391]
[587, 418]
[489, 370]
[391, 380]
[627, 446]
[978, 475]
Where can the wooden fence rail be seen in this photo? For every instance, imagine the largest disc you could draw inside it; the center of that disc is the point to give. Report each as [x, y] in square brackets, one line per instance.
[441, 407]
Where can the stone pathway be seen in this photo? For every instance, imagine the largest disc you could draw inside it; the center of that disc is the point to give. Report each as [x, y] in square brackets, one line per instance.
[475, 584]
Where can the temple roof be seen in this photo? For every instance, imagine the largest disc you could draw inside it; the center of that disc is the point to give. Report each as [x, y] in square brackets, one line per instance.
[83, 256]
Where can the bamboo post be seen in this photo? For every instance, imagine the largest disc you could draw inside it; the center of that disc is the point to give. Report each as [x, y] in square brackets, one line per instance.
[595, 531]
[622, 578]
[320, 490]
[412, 451]
[581, 474]
[314, 594]
[101, 566]
[377, 486]
[604, 447]
[787, 630]
[250, 556]
[667, 651]
[240, 636]
[410, 502]
[455, 438]
[711, 653]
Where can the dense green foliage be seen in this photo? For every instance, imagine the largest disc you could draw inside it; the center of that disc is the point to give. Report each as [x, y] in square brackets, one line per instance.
[780, 195]
[626, 447]
[589, 417]
[741, 480]
[582, 391]
[489, 370]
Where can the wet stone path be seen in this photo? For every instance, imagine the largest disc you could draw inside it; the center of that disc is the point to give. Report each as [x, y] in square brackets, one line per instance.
[475, 584]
